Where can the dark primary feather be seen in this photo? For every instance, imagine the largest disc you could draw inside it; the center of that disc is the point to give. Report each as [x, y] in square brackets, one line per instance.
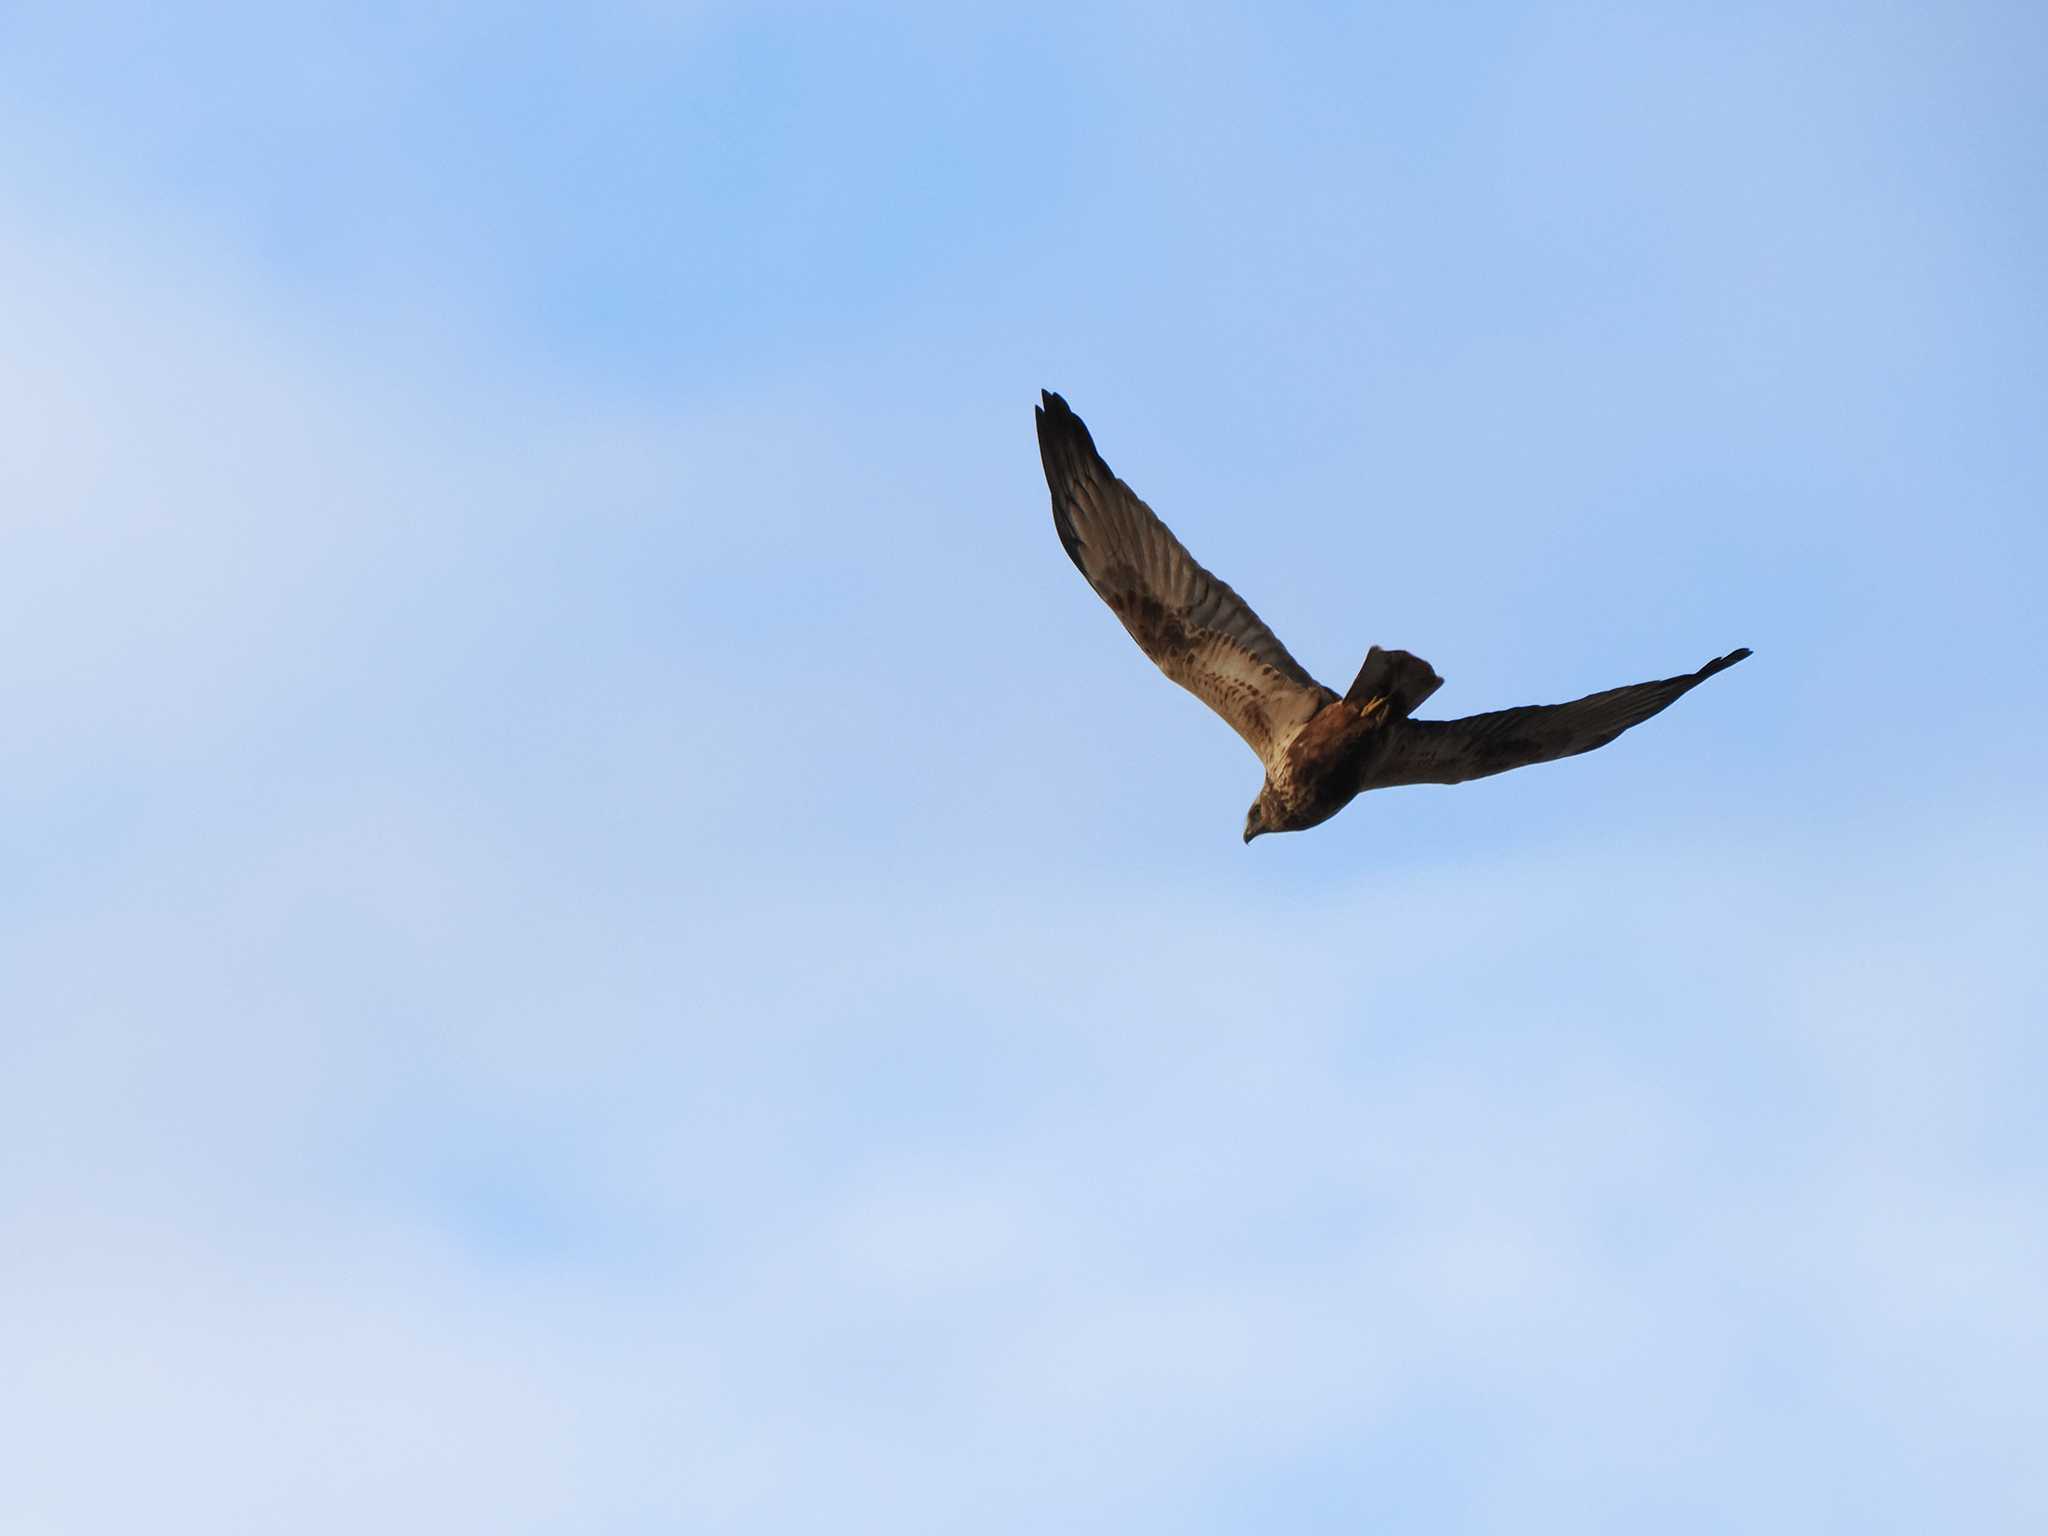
[1202, 635]
[1451, 751]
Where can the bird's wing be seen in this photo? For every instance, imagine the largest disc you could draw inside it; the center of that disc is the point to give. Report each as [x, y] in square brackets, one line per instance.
[1451, 751]
[1203, 635]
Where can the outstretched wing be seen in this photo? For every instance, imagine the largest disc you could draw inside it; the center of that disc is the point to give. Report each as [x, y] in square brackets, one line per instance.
[1203, 635]
[1451, 751]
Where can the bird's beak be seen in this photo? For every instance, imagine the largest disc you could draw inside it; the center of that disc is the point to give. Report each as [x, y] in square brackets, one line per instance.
[1252, 832]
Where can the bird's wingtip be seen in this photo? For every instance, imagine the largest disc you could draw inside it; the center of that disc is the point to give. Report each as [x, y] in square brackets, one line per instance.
[1722, 663]
[1058, 425]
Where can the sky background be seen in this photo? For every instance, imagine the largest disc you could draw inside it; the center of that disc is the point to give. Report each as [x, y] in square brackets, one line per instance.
[599, 935]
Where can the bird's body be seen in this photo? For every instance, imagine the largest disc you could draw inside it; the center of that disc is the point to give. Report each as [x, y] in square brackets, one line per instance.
[1320, 750]
[1322, 765]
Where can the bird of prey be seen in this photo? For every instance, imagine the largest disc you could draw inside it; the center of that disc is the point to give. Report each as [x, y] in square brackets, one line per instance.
[1320, 750]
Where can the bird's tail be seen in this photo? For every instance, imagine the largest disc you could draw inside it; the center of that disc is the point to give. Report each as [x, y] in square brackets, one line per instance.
[1404, 681]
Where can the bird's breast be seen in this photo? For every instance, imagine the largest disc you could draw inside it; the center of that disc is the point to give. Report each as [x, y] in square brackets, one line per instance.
[1318, 774]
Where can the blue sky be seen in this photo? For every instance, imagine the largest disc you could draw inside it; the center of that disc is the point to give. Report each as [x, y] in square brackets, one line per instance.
[601, 935]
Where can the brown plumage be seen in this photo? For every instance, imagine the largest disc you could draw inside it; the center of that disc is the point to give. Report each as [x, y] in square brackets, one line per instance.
[1319, 750]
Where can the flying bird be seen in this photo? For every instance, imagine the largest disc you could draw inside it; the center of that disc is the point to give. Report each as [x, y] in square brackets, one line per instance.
[1320, 750]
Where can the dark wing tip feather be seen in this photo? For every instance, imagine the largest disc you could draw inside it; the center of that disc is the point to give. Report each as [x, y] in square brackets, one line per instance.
[1722, 663]
[1068, 454]
[1059, 428]
[1061, 441]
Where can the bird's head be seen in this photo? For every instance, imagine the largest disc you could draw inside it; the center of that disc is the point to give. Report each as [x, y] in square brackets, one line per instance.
[1255, 819]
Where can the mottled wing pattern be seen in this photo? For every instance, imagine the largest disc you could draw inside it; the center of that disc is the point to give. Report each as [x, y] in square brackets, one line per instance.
[1451, 751]
[1203, 635]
